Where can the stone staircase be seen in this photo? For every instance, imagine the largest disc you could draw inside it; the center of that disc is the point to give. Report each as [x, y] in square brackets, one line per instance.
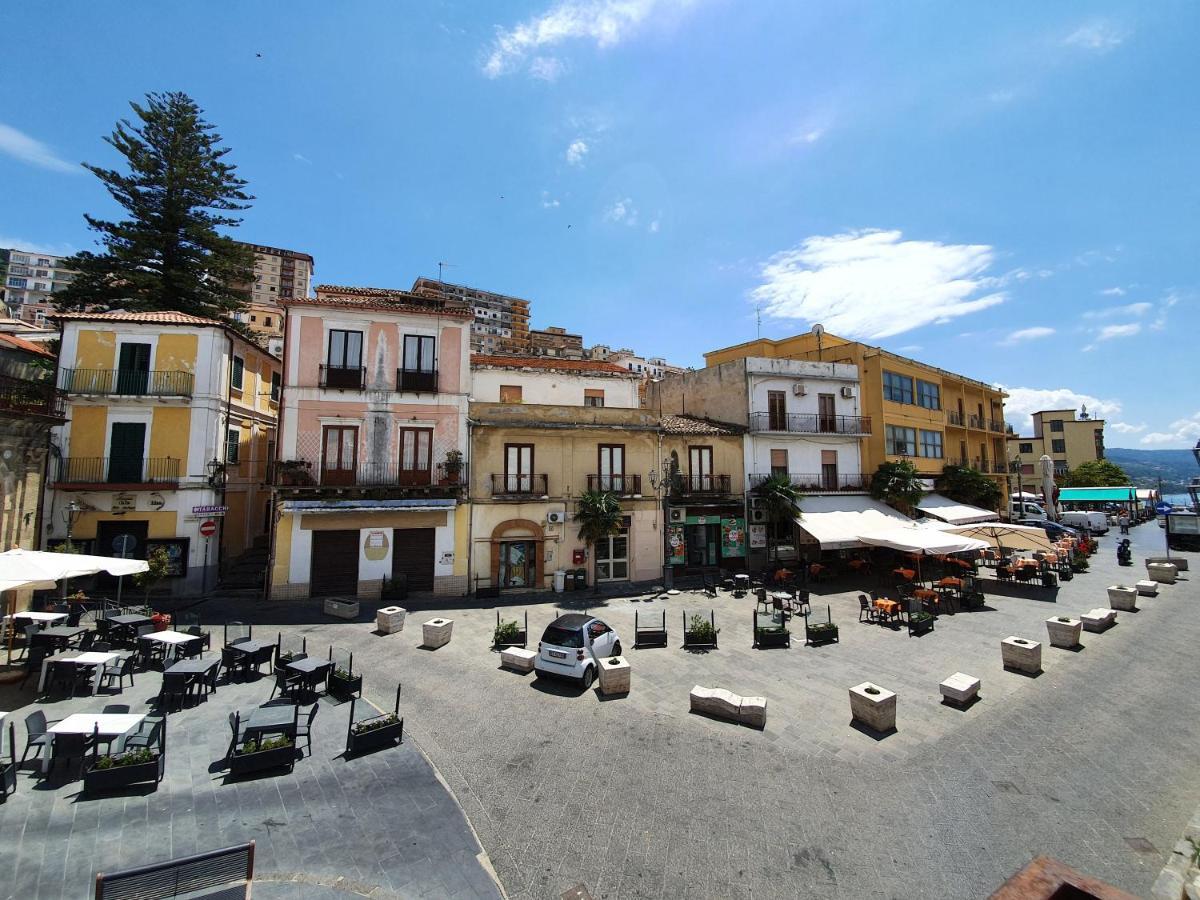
[247, 573]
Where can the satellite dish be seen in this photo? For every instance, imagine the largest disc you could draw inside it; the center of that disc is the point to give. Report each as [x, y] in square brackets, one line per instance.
[818, 330]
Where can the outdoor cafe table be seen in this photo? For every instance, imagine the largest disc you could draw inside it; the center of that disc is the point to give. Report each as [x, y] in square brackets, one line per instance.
[274, 718]
[955, 583]
[128, 622]
[173, 640]
[891, 607]
[57, 635]
[42, 618]
[106, 725]
[311, 668]
[99, 660]
[906, 574]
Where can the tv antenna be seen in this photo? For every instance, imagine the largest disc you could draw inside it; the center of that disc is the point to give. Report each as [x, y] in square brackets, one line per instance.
[758, 318]
[444, 265]
[818, 330]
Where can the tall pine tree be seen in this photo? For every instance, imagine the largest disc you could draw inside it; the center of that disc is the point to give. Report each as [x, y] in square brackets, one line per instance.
[168, 254]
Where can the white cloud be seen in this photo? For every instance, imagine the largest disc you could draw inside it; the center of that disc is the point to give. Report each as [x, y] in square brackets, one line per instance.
[604, 22]
[549, 202]
[909, 348]
[622, 212]
[874, 284]
[1183, 432]
[1114, 292]
[806, 135]
[1160, 320]
[300, 157]
[546, 68]
[653, 227]
[1022, 401]
[1028, 334]
[576, 151]
[1099, 36]
[21, 146]
[1130, 309]
[1126, 428]
[16, 243]
[1003, 96]
[1109, 332]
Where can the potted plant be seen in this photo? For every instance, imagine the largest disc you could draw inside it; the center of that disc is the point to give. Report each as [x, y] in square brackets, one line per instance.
[121, 770]
[770, 635]
[510, 633]
[817, 633]
[920, 623]
[264, 753]
[452, 468]
[1064, 631]
[701, 633]
[1079, 564]
[378, 731]
[295, 473]
[343, 682]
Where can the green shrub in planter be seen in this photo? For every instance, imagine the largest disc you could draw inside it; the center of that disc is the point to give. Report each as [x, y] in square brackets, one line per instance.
[700, 631]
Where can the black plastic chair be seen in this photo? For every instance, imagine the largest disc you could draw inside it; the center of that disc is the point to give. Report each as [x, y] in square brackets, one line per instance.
[68, 747]
[866, 609]
[146, 736]
[86, 640]
[287, 684]
[36, 734]
[34, 657]
[304, 729]
[118, 674]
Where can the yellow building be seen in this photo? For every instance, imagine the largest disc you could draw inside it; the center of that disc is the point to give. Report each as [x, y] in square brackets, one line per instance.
[927, 415]
[1057, 433]
[170, 426]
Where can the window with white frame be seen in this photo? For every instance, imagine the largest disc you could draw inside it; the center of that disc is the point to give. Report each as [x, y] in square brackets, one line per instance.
[901, 441]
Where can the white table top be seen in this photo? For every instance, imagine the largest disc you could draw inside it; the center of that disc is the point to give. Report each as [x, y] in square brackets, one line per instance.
[89, 659]
[170, 637]
[38, 616]
[107, 724]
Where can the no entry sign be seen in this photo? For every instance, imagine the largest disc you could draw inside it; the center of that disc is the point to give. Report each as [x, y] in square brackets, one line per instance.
[208, 528]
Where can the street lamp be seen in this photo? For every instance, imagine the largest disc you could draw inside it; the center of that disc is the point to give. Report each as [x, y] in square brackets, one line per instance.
[70, 514]
[660, 481]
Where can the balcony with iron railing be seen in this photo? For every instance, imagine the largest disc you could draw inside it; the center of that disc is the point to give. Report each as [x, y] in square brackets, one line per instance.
[312, 474]
[116, 472]
[974, 421]
[617, 484]
[817, 482]
[344, 378]
[126, 382]
[811, 423]
[689, 485]
[520, 485]
[996, 425]
[417, 381]
[999, 468]
[954, 417]
[22, 397]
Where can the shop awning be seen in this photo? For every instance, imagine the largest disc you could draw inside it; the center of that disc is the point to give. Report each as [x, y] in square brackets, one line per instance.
[952, 511]
[835, 521]
[1147, 494]
[1098, 495]
[913, 538]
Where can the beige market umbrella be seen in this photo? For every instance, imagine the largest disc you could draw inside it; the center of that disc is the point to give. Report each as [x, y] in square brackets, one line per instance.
[1005, 537]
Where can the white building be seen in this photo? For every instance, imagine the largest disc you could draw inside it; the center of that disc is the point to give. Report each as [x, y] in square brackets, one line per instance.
[29, 283]
[552, 381]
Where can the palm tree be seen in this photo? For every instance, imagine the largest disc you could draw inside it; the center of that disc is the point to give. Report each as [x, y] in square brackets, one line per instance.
[781, 500]
[598, 514]
[898, 484]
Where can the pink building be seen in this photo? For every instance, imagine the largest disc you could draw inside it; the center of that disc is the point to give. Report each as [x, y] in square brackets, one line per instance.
[371, 463]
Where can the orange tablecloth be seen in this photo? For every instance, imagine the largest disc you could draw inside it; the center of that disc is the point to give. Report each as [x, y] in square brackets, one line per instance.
[925, 594]
[1025, 563]
[816, 569]
[963, 563]
[888, 606]
[906, 574]
[1051, 558]
[950, 583]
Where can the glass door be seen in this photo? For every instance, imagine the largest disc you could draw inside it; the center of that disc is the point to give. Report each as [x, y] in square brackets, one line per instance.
[517, 564]
[612, 557]
[612, 468]
[518, 468]
[340, 458]
[416, 450]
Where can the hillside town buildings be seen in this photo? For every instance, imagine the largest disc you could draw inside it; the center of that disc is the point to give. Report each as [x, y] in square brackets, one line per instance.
[1058, 433]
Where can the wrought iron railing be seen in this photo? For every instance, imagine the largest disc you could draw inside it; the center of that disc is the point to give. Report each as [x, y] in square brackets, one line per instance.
[509, 484]
[974, 421]
[310, 473]
[126, 382]
[953, 417]
[417, 381]
[117, 470]
[30, 398]
[996, 425]
[810, 423]
[349, 378]
[618, 484]
[702, 484]
[818, 481]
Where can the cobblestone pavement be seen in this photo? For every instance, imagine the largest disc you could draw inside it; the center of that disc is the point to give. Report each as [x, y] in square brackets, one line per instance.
[634, 797]
[381, 824]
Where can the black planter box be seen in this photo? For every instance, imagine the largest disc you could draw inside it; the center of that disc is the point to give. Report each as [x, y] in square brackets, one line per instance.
[824, 636]
[764, 638]
[124, 776]
[276, 758]
[386, 736]
[650, 637]
[8, 779]
[520, 640]
[689, 641]
[344, 687]
[919, 628]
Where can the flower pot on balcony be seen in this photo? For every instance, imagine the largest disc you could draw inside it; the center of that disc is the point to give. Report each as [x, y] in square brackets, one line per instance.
[614, 675]
[1021, 654]
[1064, 632]
[873, 706]
[343, 683]
[1122, 596]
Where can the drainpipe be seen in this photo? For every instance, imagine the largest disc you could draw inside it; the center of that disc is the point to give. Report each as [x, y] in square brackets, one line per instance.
[273, 501]
[470, 516]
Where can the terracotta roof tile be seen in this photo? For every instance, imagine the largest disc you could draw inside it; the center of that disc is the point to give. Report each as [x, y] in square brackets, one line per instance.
[21, 344]
[692, 425]
[382, 299]
[161, 317]
[549, 363]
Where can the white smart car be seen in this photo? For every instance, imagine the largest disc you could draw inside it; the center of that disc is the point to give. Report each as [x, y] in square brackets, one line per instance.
[571, 644]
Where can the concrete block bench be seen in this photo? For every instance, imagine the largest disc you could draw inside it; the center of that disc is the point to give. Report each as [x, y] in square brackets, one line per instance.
[1147, 588]
[1163, 573]
[1099, 619]
[1123, 597]
[726, 705]
[436, 633]
[1021, 654]
[518, 659]
[960, 688]
[390, 619]
[341, 607]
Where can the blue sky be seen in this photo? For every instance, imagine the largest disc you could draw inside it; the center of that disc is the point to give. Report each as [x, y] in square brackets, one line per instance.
[1004, 190]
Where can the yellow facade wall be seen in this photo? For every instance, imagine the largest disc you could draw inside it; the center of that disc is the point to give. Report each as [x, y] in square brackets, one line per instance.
[283, 550]
[169, 432]
[89, 426]
[95, 349]
[176, 352]
[233, 527]
[162, 524]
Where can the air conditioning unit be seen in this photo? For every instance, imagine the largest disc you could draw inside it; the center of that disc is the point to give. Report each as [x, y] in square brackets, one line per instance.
[678, 515]
[847, 392]
[756, 502]
[758, 516]
[556, 518]
[799, 389]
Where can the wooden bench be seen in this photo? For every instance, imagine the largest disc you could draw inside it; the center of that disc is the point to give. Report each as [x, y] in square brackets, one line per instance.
[724, 704]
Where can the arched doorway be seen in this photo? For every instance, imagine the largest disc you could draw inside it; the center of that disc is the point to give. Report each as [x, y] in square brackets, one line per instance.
[517, 554]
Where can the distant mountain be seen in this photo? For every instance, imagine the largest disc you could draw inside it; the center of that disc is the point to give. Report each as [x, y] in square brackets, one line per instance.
[1144, 467]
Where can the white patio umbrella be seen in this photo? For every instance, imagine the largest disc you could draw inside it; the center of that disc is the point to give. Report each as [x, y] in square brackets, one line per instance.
[919, 539]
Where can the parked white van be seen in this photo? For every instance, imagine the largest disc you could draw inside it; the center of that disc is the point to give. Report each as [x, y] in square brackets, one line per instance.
[1096, 522]
[1025, 510]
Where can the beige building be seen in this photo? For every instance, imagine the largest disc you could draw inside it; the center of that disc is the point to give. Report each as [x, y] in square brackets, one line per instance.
[501, 322]
[554, 341]
[550, 380]
[1057, 433]
[279, 275]
[28, 282]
